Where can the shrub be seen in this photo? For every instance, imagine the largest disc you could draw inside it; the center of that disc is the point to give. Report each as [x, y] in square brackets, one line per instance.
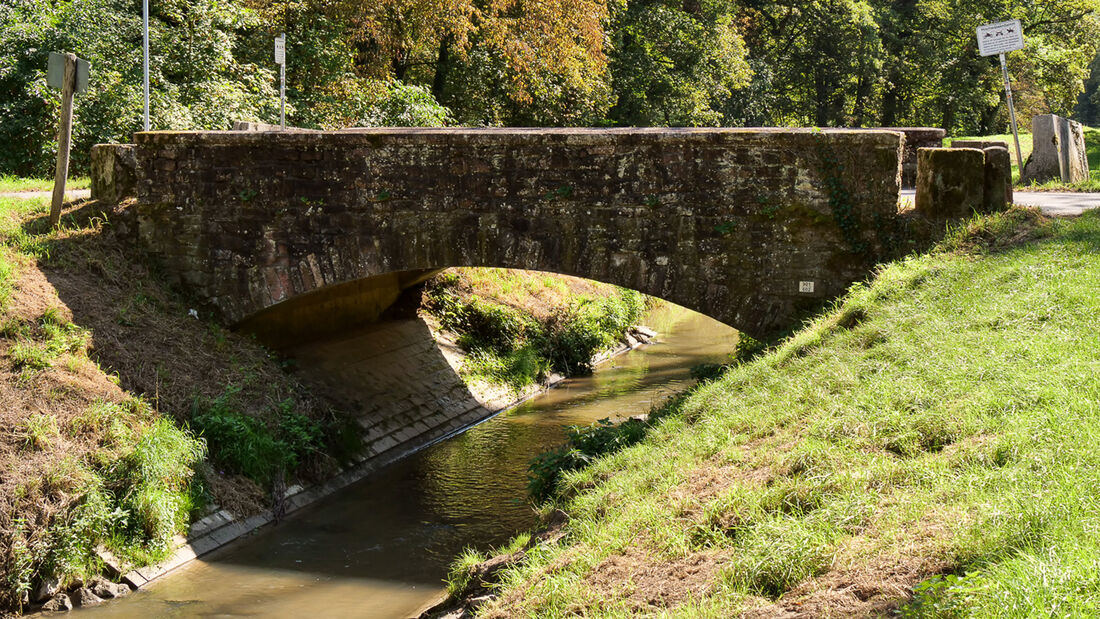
[249, 446]
[586, 443]
[517, 369]
[510, 347]
[573, 336]
[154, 481]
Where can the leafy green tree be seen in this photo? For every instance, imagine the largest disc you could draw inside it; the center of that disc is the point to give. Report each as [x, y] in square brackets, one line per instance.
[675, 63]
[27, 106]
[1088, 104]
[196, 81]
[823, 58]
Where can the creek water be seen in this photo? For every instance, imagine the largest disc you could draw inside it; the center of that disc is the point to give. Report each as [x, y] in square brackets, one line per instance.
[381, 547]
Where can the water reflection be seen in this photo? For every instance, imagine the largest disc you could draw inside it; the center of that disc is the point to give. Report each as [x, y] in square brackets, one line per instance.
[381, 547]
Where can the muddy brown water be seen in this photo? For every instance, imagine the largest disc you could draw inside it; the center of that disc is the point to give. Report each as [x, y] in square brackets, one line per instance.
[381, 547]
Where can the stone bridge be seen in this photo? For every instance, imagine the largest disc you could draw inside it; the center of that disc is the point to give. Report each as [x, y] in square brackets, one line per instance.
[294, 233]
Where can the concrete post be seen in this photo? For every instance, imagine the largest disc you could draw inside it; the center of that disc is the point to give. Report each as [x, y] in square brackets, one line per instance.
[950, 182]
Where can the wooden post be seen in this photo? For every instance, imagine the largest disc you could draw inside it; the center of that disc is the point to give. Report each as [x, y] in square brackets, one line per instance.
[64, 137]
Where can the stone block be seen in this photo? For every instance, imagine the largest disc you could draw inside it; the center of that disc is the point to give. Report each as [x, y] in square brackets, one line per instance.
[916, 138]
[950, 182]
[998, 179]
[113, 172]
[1058, 151]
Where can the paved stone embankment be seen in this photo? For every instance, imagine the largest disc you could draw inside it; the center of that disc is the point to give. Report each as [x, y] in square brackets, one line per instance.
[398, 380]
[401, 382]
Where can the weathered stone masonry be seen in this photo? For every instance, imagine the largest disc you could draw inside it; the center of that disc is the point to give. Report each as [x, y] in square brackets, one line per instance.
[728, 222]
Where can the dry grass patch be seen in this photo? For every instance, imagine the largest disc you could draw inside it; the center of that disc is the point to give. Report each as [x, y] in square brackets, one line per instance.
[633, 580]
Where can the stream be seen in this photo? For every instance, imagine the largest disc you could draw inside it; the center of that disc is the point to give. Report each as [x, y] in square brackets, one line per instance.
[381, 547]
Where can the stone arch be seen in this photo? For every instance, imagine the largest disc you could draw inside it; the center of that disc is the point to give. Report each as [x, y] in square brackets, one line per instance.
[739, 224]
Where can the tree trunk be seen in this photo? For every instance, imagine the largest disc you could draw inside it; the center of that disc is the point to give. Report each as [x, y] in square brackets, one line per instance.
[442, 69]
[890, 102]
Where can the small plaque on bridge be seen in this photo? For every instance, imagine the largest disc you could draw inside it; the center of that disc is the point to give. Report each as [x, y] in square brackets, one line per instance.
[806, 287]
[1006, 36]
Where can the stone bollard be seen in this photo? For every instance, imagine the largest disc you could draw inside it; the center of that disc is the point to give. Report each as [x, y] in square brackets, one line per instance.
[1058, 151]
[114, 173]
[998, 179]
[950, 182]
[916, 138]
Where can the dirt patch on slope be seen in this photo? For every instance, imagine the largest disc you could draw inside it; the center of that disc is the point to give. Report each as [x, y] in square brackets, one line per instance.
[646, 584]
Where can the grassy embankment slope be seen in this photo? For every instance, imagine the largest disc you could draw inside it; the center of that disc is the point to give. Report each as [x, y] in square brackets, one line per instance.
[1092, 147]
[942, 420]
[516, 327]
[107, 379]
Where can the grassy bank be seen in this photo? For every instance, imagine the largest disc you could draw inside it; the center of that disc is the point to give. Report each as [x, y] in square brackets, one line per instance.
[1092, 147]
[124, 412]
[10, 183]
[517, 327]
[927, 447]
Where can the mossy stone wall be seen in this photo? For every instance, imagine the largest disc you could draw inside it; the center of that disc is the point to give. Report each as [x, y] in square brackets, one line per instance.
[739, 224]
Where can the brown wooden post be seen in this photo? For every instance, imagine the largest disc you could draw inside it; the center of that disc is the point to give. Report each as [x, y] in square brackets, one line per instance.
[64, 137]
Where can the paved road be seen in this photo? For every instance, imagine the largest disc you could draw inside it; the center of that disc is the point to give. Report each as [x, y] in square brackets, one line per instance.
[72, 194]
[1066, 204]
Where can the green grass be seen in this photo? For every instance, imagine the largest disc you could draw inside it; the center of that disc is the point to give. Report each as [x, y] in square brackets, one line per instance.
[245, 444]
[1092, 147]
[127, 486]
[940, 420]
[510, 346]
[40, 432]
[10, 183]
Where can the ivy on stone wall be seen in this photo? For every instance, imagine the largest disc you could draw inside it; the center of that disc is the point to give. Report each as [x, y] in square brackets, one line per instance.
[840, 199]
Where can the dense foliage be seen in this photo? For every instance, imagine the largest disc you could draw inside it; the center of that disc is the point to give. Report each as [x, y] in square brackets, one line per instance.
[265, 452]
[556, 62]
[509, 346]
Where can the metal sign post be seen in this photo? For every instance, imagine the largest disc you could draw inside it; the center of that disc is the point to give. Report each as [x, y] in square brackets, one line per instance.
[280, 59]
[68, 74]
[145, 55]
[997, 39]
[1012, 113]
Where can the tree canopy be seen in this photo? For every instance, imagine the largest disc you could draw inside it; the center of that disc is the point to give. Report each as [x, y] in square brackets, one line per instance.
[550, 62]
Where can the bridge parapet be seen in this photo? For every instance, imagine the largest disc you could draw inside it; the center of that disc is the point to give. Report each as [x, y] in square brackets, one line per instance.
[745, 225]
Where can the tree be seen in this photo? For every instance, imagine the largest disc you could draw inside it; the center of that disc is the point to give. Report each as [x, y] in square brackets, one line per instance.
[196, 80]
[675, 63]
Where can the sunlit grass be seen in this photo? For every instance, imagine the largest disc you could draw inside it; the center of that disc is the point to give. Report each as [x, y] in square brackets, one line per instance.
[942, 419]
[10, 183]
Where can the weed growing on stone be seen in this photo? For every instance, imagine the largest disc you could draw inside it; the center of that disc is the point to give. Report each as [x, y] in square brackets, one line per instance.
[263, 448]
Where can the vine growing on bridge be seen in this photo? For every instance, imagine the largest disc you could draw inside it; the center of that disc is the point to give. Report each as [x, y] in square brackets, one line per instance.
[840, 202]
